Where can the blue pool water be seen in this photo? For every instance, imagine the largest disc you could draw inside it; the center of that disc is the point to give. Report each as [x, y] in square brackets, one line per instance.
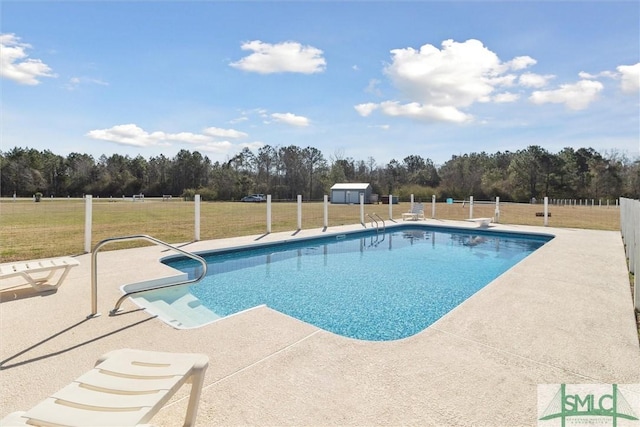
[367, 286]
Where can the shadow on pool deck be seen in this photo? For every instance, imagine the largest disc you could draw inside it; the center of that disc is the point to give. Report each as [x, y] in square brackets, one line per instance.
[563, 315]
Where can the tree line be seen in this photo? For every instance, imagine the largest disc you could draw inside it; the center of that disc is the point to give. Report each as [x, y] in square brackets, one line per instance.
[284, 172]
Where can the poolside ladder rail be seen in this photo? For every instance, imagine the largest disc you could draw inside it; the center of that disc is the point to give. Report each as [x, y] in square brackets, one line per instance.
[94, 271]
[373, 220]
[384, 227]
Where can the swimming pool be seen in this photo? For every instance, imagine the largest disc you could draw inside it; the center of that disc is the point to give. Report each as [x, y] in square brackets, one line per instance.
[364, 285]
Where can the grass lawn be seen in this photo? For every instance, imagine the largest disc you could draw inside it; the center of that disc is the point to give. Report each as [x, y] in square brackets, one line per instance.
[55, 227]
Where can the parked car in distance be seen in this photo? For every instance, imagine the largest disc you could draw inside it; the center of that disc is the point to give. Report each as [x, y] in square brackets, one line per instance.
[254, 198]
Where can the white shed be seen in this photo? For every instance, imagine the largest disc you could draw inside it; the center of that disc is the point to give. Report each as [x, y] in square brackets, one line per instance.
[345, 193]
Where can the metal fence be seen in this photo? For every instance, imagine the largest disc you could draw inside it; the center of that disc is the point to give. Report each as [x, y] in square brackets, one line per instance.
[54, 227]
[630, 229]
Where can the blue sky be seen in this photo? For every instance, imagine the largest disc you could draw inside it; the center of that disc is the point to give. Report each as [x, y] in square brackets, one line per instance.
[353, 79]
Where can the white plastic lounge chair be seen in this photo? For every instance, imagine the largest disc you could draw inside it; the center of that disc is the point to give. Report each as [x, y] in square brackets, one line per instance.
[415, 213]
[125, 388]
[482, 222]
[37, 273]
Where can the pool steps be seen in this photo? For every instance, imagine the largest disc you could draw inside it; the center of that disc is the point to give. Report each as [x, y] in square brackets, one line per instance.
[154, 283]
[183, 311]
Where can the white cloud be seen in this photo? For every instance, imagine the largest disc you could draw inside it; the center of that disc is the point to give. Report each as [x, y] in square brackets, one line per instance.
[576, 96]
[291, 119]
[630, 78]
[75, 82]
[218, 147]
[418, 111]
[506, 80]
[187, 137]
[253, 145]
[588, 76]
[129, 134]
[505, 97]
[133, 135]
[534, 80]
[365, 109]
[520, 63]
[282, 57]
[439, 83]
[456, 76]
[372, 87]
[239, 120]
[224, 133]
[15, 64]
[227, 147]
[415, 110]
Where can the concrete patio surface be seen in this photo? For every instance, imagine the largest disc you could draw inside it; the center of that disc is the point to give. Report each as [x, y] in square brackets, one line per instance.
[563, 315]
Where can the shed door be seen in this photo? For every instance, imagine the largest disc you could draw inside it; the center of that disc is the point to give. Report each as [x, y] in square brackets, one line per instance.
[353, 196]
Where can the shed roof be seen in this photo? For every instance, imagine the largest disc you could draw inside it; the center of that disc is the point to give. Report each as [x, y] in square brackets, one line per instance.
[351, 186]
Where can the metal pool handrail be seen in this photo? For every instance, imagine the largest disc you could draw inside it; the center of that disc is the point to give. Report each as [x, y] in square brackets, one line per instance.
[94, 270]
[372, 221]
[384, 227]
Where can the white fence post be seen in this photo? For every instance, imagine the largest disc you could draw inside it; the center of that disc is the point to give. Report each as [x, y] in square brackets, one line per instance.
[268, 213]
[470, 207]
[390, 207]
[299, 211]
[411, 206]
[362, 208]
[546, 211]
[433, 206]
[88, 219]
[496, 214]
[196, 236]
[326, 211]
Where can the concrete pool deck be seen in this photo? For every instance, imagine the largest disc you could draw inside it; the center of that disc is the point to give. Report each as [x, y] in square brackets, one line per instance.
[563, 315]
